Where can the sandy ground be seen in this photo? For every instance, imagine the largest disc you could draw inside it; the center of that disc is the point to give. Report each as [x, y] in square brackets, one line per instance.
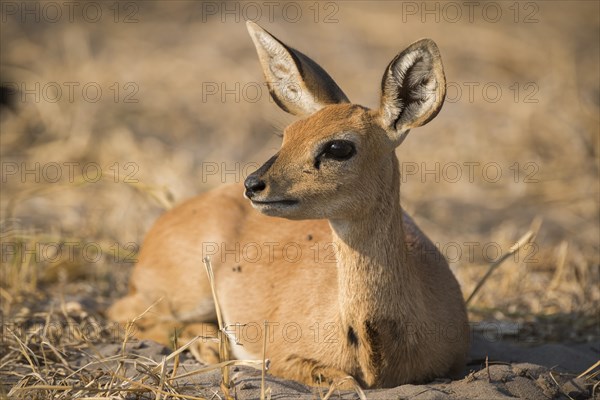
[537, 372]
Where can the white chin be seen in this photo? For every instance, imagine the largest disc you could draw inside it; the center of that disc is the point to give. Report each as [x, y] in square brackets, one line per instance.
[276, 209]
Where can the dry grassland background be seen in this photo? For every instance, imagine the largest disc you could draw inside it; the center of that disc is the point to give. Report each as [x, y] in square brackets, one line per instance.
[183, 101]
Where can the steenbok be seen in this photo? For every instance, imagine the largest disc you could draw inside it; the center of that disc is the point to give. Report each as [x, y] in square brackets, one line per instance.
[359, 289]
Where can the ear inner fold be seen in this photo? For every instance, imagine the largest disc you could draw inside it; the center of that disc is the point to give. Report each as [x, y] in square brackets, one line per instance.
[413, 88]
[296, 83]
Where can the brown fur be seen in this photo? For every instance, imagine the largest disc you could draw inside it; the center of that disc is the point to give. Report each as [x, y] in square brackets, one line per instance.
[348, 282]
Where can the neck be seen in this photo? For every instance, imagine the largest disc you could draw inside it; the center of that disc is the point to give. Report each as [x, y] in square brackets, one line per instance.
[377, 288]
[373, 275]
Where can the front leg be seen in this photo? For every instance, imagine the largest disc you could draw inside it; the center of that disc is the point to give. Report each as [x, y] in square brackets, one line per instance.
[314, 373]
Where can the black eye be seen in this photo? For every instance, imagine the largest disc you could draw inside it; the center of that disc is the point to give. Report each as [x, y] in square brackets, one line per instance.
[339, 150]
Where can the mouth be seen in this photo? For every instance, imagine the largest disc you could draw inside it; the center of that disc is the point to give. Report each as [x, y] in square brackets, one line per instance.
[284, 208]
[271, 203]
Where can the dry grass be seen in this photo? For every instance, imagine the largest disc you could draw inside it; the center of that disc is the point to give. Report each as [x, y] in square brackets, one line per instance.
[48, 371]
[153, 152]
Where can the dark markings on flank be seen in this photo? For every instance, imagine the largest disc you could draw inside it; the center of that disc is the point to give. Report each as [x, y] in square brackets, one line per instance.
[352, 339]
[374, 341]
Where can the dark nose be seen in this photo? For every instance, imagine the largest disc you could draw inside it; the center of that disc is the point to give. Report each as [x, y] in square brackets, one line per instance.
[253, 184]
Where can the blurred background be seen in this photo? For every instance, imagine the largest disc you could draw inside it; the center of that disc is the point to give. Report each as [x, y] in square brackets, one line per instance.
[113, 112]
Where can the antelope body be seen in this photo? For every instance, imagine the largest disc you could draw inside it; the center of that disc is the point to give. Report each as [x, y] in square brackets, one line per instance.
[321, 247]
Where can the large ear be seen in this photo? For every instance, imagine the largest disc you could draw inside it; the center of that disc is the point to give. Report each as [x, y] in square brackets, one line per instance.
[413, 89]
[296, 83]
